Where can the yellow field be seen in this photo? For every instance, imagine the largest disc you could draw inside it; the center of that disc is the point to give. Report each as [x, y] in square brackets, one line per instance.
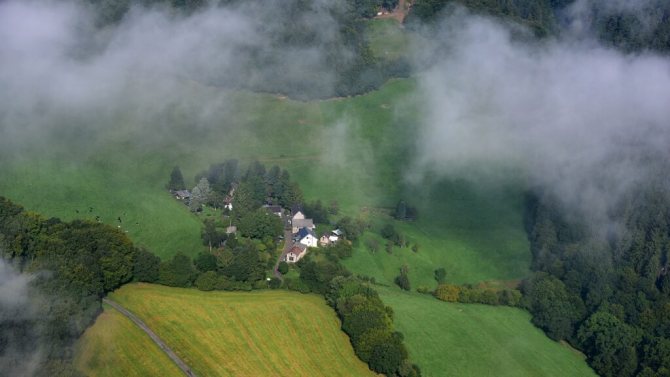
[264, 333]
[114, 346]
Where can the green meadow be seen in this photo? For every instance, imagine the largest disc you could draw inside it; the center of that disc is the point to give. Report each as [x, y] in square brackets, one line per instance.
[448, 339]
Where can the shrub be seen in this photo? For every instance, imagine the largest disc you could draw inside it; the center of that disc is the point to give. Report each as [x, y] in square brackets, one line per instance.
[207, 281]
[447, 292]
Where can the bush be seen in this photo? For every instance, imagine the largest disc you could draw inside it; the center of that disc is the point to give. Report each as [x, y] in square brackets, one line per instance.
[207, 281]
[274, 283]
[283, 268]
[447, 292]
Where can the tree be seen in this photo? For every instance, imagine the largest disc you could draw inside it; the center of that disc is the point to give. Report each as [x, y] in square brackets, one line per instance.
[245, 265]
[206, 281]
[200, 195]
[177, 272]
[440, 275]
[176, 180]
[210, 236]
[610, 344]
[402, 280]
[282, 268]
[388, 357]
[554, 309]
[260, 224]
[146, 266]
[415, 248]
[205, 262]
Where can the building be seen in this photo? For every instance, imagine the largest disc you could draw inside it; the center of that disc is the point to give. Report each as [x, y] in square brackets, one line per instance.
[296, 224]
[275, 210]
[324, 240]
[306, 237]
[297, 213]
[295, 253]
[182, 194]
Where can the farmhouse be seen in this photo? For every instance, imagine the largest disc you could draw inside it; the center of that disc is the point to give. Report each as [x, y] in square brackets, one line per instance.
[306, 237]
[182, 194]
[275, 210]
[295, 253]
[302, 223]
[296, 213]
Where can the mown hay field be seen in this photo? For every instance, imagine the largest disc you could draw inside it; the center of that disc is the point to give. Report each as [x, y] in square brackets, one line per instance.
[261, 333]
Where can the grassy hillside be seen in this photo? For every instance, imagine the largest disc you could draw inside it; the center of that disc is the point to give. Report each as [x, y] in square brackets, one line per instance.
[118, 167]
[475, 235]
[477, 340]
[268, 333]
[115, 346]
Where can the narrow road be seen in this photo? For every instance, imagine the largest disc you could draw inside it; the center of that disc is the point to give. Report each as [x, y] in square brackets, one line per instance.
[288, 242]
[181, 364]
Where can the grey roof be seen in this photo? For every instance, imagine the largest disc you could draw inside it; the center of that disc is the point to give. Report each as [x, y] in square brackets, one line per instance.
[273, 209]
[183, 193]
[303, 223]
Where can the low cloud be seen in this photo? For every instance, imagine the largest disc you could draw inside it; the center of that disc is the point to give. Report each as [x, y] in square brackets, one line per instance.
[580, 120]
[18, 312]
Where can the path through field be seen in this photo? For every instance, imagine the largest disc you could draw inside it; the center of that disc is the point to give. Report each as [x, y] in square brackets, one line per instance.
[168, 351]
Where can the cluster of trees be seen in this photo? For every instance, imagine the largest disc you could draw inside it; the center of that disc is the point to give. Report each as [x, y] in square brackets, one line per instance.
[608, 296]
[645, 26]
[402, 280]
[369, 324]
[538, 15]
[74, 264]
[321, 266]
[469, 294]
[238, 266]
[393, 238]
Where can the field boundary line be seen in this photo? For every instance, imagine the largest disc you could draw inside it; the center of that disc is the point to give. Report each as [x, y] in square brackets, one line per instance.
[168, 351]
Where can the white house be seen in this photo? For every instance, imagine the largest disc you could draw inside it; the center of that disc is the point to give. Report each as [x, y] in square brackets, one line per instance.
[295, 253]
[324, 240]
[307, 237]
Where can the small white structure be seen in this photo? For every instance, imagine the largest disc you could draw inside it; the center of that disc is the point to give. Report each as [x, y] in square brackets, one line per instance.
[295, 253]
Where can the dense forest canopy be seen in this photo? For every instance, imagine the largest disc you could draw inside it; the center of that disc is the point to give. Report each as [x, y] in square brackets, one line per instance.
[66, 269]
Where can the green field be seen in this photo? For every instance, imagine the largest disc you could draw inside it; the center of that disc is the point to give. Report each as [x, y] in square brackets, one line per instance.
[448, 339]
[115, 346]
[263, 333]
[475, 235]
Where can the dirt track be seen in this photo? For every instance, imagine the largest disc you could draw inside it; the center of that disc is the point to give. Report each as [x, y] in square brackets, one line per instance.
[180, 363]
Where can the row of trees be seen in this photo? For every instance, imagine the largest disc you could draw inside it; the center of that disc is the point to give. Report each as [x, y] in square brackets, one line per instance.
[608, 296]
[369, 324]
[469, 294]
[645, 26]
